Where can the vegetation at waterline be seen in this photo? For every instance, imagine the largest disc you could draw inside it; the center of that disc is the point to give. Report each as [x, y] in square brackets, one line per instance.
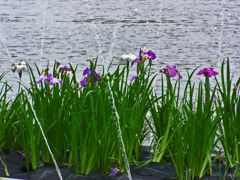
[80, 119]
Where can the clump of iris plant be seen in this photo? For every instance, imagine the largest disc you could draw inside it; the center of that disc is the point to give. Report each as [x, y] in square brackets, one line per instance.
[49, 79]
[90, 72]
[208, 72]
[171, 71]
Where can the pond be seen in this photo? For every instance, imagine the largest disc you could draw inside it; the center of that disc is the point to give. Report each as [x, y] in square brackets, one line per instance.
[182, 33]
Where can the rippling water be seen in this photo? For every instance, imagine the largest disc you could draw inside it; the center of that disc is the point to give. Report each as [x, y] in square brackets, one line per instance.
[183, 33]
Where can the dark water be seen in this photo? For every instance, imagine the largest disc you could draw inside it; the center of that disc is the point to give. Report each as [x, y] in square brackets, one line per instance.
[183, 33]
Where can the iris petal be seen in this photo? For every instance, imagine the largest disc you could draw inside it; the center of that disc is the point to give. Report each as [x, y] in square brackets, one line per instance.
[140, 55]
[134, 78]
[39, 79]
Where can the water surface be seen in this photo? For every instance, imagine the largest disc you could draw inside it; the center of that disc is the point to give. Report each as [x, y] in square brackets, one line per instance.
[182, 33]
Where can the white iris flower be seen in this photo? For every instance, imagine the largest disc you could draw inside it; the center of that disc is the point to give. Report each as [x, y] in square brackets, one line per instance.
[129, 57]
[20, 66]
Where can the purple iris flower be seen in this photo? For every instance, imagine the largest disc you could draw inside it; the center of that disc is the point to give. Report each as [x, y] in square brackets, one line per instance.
[150, 55]
[164, 71]
[23, 154]
[171, 70]
[83, 83]
[96, 76]
[144, 57]
[62, 69]
[136, 60]
[208, 72]
[48, 79]
[88, 72]
[114, 171]
[134, 78]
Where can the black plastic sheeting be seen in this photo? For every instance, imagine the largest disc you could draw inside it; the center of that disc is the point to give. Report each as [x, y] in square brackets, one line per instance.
[152, 171]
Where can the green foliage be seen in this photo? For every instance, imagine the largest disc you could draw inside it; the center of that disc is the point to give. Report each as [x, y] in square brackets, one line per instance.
[229, 104]
[81, 123]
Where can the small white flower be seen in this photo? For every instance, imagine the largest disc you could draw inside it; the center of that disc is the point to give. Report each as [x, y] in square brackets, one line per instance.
[130, 57]
[20, 66]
